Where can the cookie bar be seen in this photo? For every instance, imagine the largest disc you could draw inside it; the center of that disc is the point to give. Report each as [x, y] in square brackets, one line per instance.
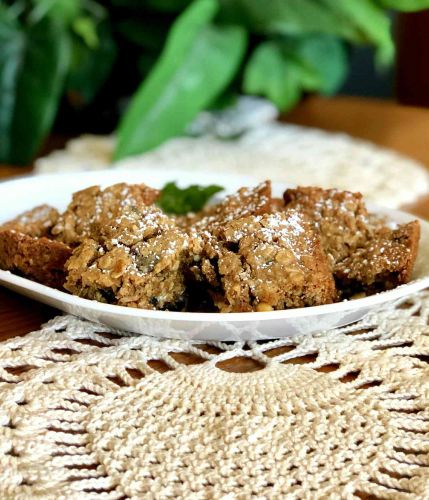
[340, 216]
[93, 208]
[266, 262]
[251, 252]
[365, 254]
[39, 259]
[136, 261]
[36, 222]
[384, 262]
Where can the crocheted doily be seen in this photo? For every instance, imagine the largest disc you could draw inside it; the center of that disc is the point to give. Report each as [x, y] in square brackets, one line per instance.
[284, 153]
[87, 412]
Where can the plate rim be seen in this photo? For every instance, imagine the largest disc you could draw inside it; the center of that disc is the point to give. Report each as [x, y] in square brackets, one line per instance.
[401, 291]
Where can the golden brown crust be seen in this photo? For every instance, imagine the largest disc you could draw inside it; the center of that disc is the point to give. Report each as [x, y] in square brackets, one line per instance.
[261, 263]
[93, 208]
[39, 259]
[277, 204]
[36, 222]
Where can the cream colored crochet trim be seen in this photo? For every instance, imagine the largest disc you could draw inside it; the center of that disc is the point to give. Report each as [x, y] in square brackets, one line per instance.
[86, 413]
[283, 153]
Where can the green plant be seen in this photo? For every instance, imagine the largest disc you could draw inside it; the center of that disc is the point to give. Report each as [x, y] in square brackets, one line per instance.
[174, 58]
[180, 201]
[47, 47]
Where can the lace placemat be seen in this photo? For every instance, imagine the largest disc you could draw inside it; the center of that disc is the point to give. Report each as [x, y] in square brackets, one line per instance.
[87, 412]
[283, 153]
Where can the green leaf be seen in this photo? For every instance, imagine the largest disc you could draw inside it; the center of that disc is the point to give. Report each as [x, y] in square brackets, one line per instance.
[288, 17]
[63, 11]
[372, 22]
[197, 63]
[85, 27]
[269, 74]
[357, 21]
[33, 65]
[145, 63]
[90, 68]
[405, 5]
[174, 200]
[282, 69]
[325, 58]
[9, 14]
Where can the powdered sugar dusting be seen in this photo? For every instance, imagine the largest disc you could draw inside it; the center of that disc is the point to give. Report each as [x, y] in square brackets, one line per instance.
[245, 202]
[250, 252]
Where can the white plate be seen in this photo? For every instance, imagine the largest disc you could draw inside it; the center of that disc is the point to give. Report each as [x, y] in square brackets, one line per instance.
[22, 194]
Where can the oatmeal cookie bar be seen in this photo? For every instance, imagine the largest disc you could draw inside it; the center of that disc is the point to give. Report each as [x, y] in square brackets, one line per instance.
[39, 259]
[136, 261]
[365, 254]
[265, 262]
[340, 216]
[36, 222]
[384, 262]
[93, 208]
[26, 248]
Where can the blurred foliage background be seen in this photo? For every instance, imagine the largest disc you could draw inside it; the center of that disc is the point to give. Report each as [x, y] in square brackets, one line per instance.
[146, 68]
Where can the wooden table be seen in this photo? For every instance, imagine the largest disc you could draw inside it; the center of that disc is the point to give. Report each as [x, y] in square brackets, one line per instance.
[404, 129]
